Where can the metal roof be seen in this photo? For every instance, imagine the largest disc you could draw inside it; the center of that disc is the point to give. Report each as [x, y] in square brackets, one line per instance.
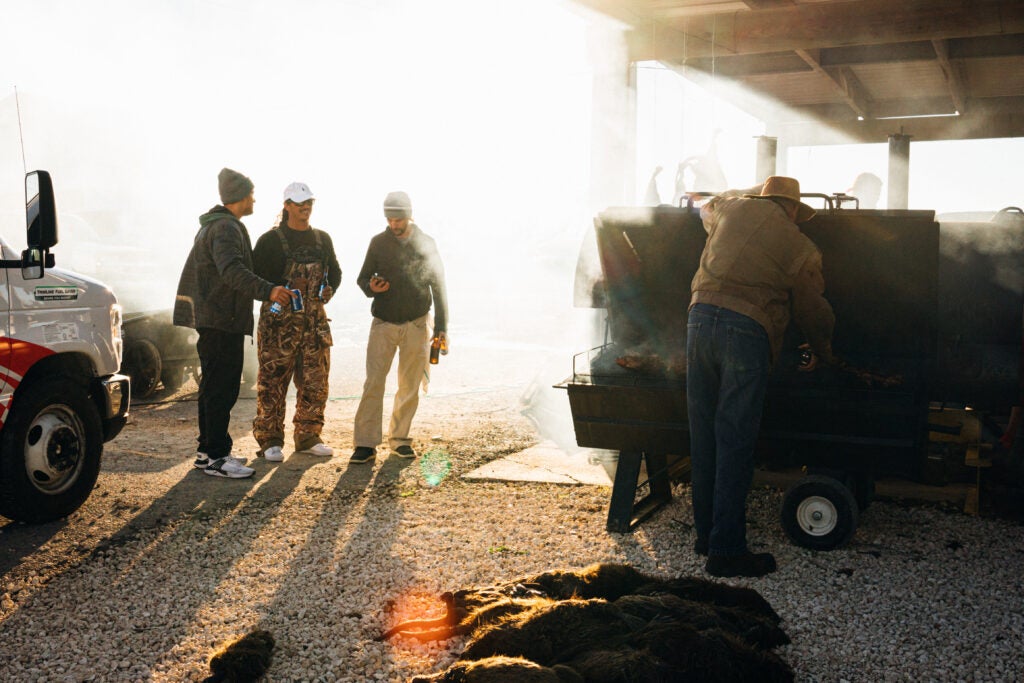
[932, 69]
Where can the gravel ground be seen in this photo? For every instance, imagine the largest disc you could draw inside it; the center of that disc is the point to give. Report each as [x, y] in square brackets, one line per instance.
[164, 564]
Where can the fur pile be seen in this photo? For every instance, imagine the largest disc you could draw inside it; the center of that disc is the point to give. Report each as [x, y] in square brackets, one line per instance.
[608, 623]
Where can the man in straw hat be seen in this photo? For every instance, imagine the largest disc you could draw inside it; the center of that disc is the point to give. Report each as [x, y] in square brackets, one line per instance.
[756, 270]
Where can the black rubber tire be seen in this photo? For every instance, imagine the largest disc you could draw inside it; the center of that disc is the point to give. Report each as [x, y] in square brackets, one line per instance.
[819, 513]
[62, 410]
[172, 376]
[142, 364]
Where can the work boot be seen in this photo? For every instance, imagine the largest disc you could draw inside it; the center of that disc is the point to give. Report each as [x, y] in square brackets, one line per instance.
[747, 564]
[700, 547]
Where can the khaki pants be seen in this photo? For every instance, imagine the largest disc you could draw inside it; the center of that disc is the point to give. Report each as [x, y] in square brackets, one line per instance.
[411, 341]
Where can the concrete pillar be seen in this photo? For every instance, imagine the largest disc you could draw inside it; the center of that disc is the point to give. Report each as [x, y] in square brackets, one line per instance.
[767, 152]
[899, 171]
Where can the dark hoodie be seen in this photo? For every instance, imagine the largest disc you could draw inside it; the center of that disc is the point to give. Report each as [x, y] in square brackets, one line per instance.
[218, 285]
[414, 269]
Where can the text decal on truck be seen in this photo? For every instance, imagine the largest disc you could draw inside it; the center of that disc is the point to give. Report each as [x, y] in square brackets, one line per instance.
[55, 293]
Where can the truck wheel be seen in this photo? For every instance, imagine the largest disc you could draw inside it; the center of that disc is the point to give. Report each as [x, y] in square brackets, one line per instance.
[172, 376]
[819, 513]
[51, 448]
[142, 364]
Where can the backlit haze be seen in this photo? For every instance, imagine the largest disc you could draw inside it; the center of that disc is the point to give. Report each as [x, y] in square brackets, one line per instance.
[503, 120]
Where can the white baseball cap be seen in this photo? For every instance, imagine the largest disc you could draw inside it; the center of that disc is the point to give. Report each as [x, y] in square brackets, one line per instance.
[298, 193]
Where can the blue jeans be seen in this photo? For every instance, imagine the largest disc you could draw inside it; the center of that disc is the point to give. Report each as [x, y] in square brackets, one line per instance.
[728, 359]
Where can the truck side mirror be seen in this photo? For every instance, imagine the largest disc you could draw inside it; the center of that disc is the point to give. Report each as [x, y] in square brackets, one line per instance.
[33, 261]
[40, 212]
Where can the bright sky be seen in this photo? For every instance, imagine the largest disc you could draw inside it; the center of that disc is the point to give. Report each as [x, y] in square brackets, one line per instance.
[483, 110]
[479, 109]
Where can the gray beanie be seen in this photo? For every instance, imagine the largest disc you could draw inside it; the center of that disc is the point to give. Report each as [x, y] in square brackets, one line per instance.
[397, 205]
[233, 186]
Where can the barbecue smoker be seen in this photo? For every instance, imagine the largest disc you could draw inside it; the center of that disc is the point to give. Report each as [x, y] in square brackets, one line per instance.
[928, 319]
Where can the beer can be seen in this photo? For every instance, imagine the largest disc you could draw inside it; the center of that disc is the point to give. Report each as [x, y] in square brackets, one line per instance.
[275, 308]
[297, 300]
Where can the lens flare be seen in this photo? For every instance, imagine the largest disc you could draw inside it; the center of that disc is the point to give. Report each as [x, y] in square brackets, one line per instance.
[435, 465]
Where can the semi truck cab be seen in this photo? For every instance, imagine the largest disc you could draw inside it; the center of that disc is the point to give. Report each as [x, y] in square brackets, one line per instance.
[61, 396]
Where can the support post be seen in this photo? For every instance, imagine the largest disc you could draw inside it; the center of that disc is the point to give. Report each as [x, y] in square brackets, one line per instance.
[899, 171]
[767, 153]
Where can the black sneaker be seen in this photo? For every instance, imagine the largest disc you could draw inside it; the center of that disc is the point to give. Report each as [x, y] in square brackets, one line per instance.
[405, 452]
[747, 564]
[202, 460]
[363, 454]
[700, 547]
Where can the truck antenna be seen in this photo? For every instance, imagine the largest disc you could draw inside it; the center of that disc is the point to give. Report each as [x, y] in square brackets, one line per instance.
[21, 134]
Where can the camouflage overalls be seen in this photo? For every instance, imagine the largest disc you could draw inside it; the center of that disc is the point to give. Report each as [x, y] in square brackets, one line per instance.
[296, 343]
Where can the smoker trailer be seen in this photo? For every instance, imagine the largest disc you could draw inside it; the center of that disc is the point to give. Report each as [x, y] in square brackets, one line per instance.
[928, 318]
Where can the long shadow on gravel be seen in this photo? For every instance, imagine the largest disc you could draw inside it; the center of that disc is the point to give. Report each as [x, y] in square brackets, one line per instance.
[307, 630]
[18, 541]
[201, 527]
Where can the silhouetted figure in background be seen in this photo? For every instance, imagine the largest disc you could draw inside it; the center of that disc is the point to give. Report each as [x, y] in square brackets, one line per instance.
[867, 187]
[651, 197]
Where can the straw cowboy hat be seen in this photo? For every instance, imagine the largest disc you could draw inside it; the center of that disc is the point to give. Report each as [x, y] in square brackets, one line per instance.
[785, 188]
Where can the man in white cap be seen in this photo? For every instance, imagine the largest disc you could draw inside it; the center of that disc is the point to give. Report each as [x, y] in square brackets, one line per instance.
[215, 295]
[294, 343]
[756, 269]
[403, 274]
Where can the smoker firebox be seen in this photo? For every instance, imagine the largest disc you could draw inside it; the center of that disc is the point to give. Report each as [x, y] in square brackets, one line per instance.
[846, 425]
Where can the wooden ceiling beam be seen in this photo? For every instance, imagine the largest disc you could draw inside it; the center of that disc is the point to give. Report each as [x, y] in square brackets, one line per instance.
[842, 80]
[953, 74]
[985, 118]
[824, 25]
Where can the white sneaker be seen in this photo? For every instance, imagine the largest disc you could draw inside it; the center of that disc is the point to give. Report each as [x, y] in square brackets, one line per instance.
[228, 468]
[274, 454]
[320, 449]
[202, 460]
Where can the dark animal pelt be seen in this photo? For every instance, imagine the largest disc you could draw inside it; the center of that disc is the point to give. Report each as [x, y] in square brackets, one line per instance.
[649, 645]
[244, 660]
[608, 623]
[606, 581]
[502, 670]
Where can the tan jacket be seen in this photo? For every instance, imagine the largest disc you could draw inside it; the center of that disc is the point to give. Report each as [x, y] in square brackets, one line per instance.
[758, 263]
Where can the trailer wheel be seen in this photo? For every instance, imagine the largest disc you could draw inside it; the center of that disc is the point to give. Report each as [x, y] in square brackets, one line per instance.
[51, 448]
[172, 376]
[142, 364]
[819, 513]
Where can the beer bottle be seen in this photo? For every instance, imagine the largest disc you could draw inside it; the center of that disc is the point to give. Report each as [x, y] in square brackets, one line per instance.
[435, 349]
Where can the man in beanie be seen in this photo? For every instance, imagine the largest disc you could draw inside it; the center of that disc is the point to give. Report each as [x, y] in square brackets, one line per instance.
[215, 295]
[403, 274]
[756, 270]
